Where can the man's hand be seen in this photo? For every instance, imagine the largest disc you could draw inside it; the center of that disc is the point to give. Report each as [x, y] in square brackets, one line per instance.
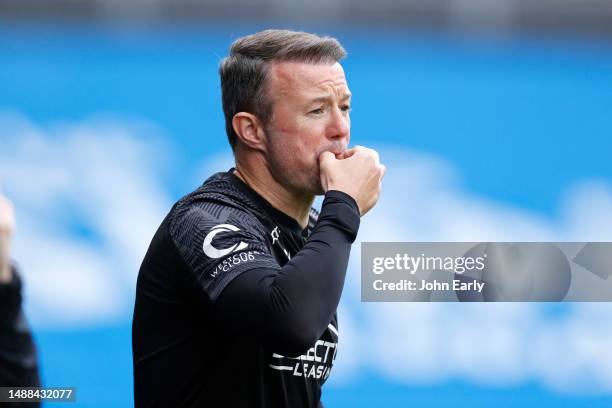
[356, 172]
[7, 226]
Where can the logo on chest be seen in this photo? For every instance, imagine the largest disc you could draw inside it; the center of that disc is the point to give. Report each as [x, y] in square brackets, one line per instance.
[275, 234]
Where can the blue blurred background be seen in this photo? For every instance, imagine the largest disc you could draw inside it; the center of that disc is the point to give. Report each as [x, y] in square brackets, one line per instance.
[493, 118]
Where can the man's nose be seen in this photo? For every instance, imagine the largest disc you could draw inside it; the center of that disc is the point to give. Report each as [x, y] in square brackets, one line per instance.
[339, 126]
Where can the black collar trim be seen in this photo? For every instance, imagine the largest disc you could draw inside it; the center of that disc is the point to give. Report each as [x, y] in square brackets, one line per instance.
[277, 215]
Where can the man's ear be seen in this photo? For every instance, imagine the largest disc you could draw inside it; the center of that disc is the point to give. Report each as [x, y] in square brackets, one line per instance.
[249, 130]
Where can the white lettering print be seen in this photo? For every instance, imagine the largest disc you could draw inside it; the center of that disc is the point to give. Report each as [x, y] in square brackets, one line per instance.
[315, 363]
[231, 261]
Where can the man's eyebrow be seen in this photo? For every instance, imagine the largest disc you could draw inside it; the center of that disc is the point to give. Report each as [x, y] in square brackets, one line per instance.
[326, 98]
[346, 96]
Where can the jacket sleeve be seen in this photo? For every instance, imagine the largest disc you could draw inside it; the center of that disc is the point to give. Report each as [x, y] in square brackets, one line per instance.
[10, 299]
[18, 357]
[288, 308]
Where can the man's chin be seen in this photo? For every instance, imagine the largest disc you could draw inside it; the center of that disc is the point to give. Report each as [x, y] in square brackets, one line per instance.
[315, 190]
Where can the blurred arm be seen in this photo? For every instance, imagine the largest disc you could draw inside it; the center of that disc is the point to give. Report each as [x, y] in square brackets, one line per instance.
[10, 285]
[18, 360]
[7, 225]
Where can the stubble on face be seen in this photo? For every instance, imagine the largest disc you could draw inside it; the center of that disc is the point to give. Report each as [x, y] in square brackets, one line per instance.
[298, 181]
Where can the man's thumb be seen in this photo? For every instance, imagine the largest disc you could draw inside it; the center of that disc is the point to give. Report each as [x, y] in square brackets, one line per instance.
[326, 157]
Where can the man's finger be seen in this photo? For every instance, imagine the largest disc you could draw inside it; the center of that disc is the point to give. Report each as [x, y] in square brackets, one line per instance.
[347, 153]
[326, 156]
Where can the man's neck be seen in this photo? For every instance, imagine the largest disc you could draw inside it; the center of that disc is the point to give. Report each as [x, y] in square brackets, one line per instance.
[294, 205]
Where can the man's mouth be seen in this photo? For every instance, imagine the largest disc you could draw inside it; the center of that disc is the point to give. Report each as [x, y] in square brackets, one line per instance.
[337, 150]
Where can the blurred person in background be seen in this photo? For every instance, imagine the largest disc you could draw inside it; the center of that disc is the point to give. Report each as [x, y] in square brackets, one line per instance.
[18, 360]
[236, 297]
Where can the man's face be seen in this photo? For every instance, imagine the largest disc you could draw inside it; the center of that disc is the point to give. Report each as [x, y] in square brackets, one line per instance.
[311, 105]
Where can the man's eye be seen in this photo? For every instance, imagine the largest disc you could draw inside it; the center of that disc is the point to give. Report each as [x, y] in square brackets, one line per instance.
[317, 111]
[346, 108]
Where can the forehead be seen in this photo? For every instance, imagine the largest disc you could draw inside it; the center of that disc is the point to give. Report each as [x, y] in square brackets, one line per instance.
[303, 78]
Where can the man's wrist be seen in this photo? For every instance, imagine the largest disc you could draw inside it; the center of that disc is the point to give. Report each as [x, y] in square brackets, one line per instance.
[341, 209]
[344, 196]
[6, 272]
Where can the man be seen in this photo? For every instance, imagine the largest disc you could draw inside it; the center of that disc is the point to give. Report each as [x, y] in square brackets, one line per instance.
[18, 362]
[237, 295]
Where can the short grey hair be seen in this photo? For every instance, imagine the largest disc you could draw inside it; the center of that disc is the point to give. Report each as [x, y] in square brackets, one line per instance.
[244, 73]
